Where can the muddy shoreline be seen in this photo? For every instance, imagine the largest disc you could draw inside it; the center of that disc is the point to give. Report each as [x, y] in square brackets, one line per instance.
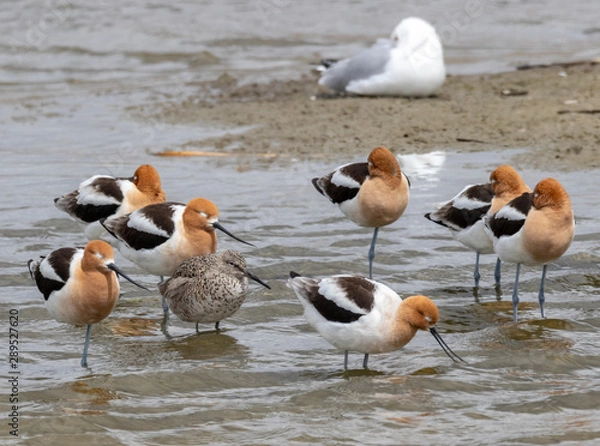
[552, 111]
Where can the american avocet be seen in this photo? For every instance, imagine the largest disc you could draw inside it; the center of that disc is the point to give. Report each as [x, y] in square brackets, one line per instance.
[464, 213]
[160, 236]
[208, 289]
[463, 216]
[371, 194]
[103, 196]
[409, 63]
[359, 314]
[506, 184]
[533, 229]
[80, 286]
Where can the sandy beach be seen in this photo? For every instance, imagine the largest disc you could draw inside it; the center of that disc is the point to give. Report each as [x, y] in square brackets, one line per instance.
[553, 111]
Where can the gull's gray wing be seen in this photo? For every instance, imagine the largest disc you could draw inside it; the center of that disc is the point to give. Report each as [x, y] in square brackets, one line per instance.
[367, 63]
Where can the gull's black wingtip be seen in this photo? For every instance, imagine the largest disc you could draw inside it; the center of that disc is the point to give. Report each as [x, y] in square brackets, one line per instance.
[327, 63]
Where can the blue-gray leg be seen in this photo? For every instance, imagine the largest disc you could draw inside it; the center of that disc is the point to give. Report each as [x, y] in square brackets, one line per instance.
[365, 360]
[372, 252]
[165, 305]
[515, 296]
[498, 271]
[345, 359]
[476, 274]
[541, 296]
[86, 345]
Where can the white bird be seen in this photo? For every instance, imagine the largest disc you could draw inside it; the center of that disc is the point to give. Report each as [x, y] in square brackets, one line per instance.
[409, 63]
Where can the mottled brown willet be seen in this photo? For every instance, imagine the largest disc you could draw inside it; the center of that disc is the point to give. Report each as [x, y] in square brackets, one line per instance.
[208, 289]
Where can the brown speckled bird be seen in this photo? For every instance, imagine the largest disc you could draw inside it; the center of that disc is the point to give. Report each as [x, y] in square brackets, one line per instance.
[208, 288]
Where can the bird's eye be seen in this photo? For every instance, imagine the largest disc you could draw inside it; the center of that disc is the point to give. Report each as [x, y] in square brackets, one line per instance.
[203, 214]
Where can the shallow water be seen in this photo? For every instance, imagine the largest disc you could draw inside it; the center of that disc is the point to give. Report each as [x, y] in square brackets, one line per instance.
[268, 378]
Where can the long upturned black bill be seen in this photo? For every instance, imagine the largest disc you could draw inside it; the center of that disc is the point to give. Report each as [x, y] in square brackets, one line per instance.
[125, 276]
[444, 346]
[220, 227]
[257, 279]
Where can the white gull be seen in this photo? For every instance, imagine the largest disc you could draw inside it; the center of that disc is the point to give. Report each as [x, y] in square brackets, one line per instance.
[409, 63]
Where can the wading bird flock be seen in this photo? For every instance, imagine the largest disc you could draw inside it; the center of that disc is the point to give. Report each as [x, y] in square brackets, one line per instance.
[178, 242]
[506, 218]
[353, 313]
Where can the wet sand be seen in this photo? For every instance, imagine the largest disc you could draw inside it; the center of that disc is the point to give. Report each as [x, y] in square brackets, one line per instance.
[552, 111]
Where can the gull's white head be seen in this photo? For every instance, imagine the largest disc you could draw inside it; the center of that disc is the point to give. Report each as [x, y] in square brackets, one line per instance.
[415, 34]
